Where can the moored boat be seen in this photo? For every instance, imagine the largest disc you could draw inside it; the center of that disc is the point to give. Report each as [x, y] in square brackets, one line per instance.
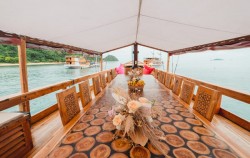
[76, 63]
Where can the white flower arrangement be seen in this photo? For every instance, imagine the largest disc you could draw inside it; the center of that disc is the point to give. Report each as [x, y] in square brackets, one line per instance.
[134, 118]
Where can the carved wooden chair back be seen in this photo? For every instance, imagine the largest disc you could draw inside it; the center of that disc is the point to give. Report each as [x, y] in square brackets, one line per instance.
[177, 85]
[96, 85]
[85, 93]
[161, 75]
[68, 104]
[103, 80]
[113, 73]
[164, 74]
[207, 102]
[187, 91]
[155, 73]
[109, 76]
[169, 80]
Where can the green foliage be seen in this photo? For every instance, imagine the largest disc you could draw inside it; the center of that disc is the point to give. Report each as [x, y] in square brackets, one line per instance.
[9, 54]
[110, 58]
[93, 59]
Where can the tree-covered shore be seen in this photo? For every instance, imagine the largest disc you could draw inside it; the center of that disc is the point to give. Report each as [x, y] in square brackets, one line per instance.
[9, 54]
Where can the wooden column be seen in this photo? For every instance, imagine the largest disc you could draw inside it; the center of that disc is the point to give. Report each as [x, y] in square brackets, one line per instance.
[135, 61]
[101, 63]
[23, 73]
[168, 62]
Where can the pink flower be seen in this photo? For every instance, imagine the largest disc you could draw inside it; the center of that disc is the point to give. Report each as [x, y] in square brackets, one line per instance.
[117, 121]
[133, 106]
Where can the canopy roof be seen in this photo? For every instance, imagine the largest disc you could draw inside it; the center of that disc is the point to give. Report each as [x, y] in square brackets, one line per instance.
[102, 25]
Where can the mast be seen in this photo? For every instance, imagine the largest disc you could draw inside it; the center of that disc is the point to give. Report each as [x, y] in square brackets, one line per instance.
[135, 52]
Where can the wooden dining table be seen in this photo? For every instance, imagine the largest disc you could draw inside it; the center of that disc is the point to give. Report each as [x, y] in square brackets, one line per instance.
[185, 135]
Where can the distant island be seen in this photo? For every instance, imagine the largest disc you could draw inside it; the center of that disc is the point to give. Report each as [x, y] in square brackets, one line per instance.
[110, 58]
[217, 59]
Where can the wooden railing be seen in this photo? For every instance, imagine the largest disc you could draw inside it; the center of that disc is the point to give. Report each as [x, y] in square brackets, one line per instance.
[240, 96]
[13, 100]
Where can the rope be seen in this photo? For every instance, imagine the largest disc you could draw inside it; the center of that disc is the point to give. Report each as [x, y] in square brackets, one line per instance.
[176, 64]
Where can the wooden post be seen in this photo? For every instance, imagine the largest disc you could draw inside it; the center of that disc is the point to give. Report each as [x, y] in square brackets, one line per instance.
[168, 61]
[23, 73]
[101, 63]
[135, 61]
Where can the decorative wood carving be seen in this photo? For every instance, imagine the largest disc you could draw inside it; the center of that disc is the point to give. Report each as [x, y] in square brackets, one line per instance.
[113, 73]
[103, 80]
[109, 76]
[68, 104]
[206, 102]
[168, 80]
[85, 92]
[163, 77]
[177, 85]
[96, 85]
[187, 91]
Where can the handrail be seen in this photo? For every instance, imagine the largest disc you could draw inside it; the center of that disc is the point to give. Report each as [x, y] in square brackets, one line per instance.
[241, 96]
[12, 100]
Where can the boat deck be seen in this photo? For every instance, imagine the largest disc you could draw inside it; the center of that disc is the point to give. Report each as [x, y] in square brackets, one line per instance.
[49, 131]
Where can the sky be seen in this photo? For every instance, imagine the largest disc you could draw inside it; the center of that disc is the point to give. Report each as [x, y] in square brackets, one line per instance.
[125, 54]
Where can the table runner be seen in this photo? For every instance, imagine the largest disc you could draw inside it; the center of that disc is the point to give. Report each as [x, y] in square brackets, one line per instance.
[185, 135]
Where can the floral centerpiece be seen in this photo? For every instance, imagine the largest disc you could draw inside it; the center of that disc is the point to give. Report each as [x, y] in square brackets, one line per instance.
[134, 119]
[135, 83]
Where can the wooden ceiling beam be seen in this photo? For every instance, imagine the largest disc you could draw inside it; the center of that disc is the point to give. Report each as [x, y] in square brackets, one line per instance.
[239, 42]
[152, 47]
[10, 38]
[118, 48]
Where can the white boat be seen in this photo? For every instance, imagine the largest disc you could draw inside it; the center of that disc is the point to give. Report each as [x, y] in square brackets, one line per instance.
[153, 61]
[76, 63]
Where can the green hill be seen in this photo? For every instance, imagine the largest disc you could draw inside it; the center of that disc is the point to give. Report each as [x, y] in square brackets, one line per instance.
[110, 58]
[9, 54]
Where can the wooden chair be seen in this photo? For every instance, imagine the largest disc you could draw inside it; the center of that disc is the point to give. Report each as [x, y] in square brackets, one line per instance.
[207, 102]
[155, 73]
[85, 93]
[103, 81]
[160, 78]
[163, 76]
[169, 80]
[109, 76]
[96, 85]
[187, 91]
[177, 85]
[68, 104]
[113, 73]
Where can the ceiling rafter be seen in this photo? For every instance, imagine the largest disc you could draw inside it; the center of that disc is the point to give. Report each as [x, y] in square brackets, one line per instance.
[11, 38]
[138, 20]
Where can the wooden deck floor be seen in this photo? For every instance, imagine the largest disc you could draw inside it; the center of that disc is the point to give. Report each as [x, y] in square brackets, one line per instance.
[50, 129]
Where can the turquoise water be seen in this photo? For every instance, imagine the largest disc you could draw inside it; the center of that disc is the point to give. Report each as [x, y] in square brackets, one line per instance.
[233, 71]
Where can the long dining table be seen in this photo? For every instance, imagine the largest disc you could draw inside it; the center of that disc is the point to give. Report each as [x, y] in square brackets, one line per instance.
[185, 135]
